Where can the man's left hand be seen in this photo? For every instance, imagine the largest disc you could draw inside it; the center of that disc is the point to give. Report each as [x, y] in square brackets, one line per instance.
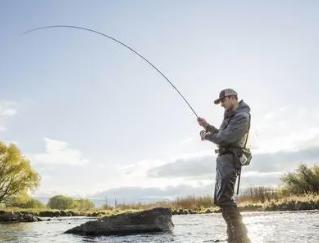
[202, 122]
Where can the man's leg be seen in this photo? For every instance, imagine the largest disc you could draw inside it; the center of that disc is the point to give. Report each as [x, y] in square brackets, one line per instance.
[226, 173]
[236, 229]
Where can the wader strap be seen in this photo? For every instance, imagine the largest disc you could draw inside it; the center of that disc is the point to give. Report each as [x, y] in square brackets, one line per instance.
[238, 182]
[247, 131]
[239, 173]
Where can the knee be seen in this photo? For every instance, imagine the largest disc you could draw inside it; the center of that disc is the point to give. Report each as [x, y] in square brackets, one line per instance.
[224, 203]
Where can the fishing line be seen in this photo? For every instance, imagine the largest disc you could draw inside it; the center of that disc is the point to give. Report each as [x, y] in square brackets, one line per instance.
[121, 43]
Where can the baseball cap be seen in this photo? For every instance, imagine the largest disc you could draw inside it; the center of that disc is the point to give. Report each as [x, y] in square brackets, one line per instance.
[224, 93]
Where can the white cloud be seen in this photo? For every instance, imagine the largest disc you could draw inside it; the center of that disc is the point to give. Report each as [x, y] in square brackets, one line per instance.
[288, 128]
[59, 152]
[149, 194]
[202, 167]
[7, 109]
[262, 174]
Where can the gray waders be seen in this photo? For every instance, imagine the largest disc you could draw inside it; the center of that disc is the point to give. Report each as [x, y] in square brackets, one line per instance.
[227, 169]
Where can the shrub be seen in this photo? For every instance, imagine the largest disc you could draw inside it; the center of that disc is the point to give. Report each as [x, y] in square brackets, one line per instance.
[61, 202]
[303, 180]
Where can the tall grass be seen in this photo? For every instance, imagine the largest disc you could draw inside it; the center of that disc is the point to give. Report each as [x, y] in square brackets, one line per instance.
[188, 202]
[192, 202]
[259, 194]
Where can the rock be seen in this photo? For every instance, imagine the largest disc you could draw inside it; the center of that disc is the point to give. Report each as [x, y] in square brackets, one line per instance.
[49, 214]
[154, 220]
[18, 217]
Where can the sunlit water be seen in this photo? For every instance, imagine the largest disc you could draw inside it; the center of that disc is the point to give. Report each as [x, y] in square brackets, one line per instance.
[301, 226]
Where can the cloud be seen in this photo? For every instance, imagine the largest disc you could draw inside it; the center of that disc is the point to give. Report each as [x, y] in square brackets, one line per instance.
[151, 194]
[284, 128]
[193, 166]
[196, 167]
[284, 160]
[7, 109]
[59, 152]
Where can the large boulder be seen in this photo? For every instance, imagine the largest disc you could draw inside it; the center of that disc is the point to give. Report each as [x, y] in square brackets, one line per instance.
[154, 220]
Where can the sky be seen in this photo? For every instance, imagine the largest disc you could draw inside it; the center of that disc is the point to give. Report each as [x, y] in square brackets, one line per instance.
[97, 121]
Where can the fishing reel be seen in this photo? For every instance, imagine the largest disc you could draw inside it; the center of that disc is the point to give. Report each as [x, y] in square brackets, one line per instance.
[203, 134]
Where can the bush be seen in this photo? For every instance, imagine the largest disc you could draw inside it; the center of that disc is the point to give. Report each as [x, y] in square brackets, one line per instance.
[61, 202]
[303, 180]
[30, 203]
[83, 204]
[23, 200]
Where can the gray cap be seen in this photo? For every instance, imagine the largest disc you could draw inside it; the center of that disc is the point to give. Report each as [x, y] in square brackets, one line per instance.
[224, 93]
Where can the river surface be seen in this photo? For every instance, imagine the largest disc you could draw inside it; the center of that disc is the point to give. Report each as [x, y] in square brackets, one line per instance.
[300, 226]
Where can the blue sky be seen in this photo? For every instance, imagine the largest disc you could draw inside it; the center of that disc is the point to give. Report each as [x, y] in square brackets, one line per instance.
[96, 120]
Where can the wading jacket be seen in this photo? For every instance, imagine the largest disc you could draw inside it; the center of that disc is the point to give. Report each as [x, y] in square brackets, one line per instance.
[234, 129]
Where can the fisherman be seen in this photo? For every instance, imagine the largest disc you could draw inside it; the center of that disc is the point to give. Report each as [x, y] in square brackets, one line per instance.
[230, 138]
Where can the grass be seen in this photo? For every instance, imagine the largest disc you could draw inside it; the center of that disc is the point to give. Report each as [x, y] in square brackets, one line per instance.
[188, 205]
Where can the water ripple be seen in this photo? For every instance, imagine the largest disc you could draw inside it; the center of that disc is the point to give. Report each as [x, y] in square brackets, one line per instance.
[301, 226]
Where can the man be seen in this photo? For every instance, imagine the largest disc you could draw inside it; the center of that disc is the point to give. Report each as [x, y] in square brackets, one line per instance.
[231, 137]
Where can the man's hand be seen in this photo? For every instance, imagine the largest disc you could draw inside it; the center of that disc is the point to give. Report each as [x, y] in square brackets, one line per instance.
[203, 134]
[202, 122]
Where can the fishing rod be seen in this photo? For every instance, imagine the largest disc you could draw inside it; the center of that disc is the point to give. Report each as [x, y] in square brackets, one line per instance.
[119, 42]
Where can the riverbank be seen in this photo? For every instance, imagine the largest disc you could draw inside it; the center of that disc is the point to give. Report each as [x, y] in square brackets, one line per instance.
[291, 203]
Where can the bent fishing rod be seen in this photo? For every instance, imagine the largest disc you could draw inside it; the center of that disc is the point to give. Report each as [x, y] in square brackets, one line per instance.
[119, 42]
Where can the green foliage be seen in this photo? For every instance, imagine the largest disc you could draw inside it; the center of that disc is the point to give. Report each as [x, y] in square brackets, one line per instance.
[64, 202]
[60, 202]
[23, 200]
[16, 174]
[33, 203]
[83, 204]
[303, 180]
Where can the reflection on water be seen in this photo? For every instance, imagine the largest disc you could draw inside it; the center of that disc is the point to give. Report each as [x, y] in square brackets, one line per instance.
[302, 226]
[283, 226]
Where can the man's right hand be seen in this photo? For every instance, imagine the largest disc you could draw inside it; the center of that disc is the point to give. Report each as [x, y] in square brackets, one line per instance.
[202, 122]
[203, 134]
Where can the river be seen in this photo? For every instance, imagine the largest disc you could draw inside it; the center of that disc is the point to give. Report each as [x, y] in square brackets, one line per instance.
[298, 226]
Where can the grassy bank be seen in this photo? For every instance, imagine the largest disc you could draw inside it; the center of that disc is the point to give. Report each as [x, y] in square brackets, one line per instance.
[188, 205]
[290, 203]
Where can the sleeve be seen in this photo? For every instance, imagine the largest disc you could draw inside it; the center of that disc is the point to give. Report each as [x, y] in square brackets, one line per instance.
[211, 129]
[235, 130]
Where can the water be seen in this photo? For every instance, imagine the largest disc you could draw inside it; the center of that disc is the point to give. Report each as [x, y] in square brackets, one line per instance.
[301, 226]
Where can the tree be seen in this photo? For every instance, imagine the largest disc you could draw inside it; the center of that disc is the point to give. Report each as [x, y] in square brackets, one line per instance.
[23, 200]
[61, 202]
[83, 204]
[303, 180]
[16, 174]
[64, 202]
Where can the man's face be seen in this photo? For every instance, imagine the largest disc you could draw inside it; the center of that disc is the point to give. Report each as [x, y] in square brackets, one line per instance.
[227, 103]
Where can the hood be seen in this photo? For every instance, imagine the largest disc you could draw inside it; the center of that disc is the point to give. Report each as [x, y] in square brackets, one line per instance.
[242, 107]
